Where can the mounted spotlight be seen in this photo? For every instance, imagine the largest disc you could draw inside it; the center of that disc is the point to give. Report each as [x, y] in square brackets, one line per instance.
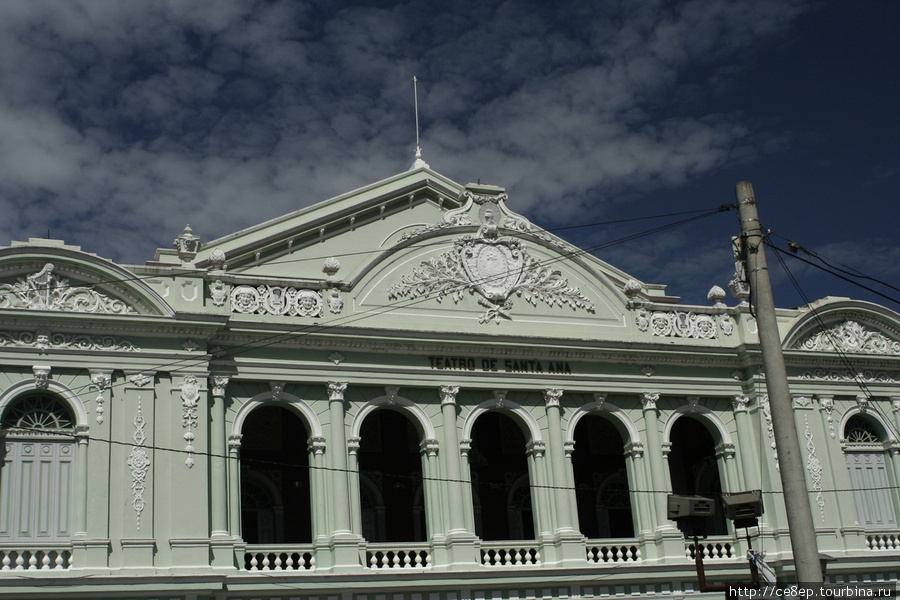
[690, 512]
[743, 508]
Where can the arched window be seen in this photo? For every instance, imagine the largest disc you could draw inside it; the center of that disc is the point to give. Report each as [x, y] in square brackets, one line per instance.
[694, 468]
[38, 467]
[870, 477]
[601, 484]
[500, 479]
[275, 482]
[390, 471]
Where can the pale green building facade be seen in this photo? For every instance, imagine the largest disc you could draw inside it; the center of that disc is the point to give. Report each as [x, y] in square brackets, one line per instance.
[412, 392]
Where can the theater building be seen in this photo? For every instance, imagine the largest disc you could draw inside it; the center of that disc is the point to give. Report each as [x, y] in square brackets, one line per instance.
[412, 392]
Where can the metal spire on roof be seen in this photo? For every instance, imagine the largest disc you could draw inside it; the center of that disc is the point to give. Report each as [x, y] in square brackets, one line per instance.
[418, 163]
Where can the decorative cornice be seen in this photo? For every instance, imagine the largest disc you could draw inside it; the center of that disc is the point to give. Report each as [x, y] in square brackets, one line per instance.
[46, 292]
[849, 336]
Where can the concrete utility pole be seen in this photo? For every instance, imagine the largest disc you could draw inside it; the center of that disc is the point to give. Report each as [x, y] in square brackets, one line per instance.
[793, 479]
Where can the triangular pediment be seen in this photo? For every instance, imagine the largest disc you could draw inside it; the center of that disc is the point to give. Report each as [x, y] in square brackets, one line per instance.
[421, 252]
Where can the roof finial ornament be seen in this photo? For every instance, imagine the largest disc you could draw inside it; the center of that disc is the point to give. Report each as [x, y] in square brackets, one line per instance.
[419, 163]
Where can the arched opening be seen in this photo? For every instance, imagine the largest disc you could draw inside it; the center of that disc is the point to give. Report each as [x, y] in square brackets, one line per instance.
[601, 483]
[500, 481]
[275, 482]
[37, 454]
[390, 472]
[870, 477]
[694, 468]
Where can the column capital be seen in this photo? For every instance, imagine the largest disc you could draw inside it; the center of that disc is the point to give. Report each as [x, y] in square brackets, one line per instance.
[649, 400]
[316, 445]
[634, 449]
[234, 443]
[449, 393]
[569, 448]
[552, 396]
[218, 384]
[353, 444]
[536, 448]
[336, 390]
[429, 447]
[739, 402]
[464, 447]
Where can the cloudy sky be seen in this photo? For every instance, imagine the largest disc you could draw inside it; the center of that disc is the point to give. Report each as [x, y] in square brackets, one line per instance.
[122, 121]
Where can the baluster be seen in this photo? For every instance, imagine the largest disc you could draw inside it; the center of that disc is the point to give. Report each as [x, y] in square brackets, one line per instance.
[537, 557]
[32, 561]
[277, 566]
[253, 562]
[265, 562]
[59, 560]
[4, 564]
[45, 560]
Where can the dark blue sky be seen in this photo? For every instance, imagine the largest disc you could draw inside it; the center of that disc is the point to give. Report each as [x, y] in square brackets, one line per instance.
[121, 122]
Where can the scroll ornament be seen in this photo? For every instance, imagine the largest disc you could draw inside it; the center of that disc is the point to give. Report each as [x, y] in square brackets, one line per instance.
[275, 300]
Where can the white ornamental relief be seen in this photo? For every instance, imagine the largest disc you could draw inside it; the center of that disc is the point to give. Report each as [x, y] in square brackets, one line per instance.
[139, 463]
[275, 300]
[850, 336]
[814, 466]
[45, 291]
[494, 269]
[677, 324]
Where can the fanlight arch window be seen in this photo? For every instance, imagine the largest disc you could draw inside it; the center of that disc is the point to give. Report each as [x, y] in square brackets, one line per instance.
[869, 466]
[38, 468]
[38, 413]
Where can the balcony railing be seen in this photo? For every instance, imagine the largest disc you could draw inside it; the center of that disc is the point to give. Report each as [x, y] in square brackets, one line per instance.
[714, 548]
[613, 551]
[398, 556]
[279, 558]
[16, 558]
[509, 554]
[883, 541]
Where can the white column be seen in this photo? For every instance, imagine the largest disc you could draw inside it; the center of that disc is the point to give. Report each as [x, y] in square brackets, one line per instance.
[339, 473]
[558, 480]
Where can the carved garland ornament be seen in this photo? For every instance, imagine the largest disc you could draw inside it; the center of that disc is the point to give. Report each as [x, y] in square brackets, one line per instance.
[45, 291]
[493, 268]
[850, 336]
[44, 339]
[275, 300]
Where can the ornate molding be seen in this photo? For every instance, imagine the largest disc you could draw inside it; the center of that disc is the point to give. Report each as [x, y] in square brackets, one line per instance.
[802, 401]
[767, 414]
[850, 336]
[337, 358]
[277, 388]
[866, 376]
[44, 339]
[190, 396]
[500, 398]
[600, 400]
[218, 291]
[139, 463]
[391, 392]
[45, 291]
[647, 370]
[140, 379]
[276, 300]
[494, 269]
